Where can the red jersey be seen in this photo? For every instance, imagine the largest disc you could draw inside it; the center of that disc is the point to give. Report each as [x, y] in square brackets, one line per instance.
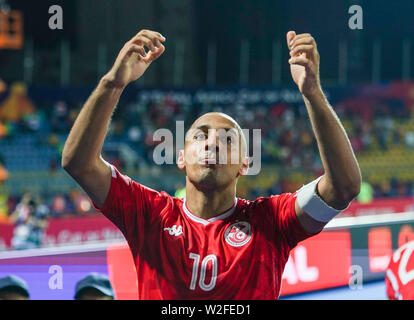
[239, 254]
[399, 278]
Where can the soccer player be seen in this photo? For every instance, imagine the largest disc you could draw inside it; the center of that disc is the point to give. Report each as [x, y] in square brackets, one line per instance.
[212, 245]
[399, 278]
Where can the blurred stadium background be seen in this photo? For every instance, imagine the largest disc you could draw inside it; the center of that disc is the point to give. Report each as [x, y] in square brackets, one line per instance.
[220, 56]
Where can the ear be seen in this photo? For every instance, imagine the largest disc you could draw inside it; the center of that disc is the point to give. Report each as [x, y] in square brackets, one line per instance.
[244, 168]
[181, 160]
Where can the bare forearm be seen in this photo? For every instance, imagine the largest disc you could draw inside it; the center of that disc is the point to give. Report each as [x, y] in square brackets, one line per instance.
[84, 143]
[338, 159]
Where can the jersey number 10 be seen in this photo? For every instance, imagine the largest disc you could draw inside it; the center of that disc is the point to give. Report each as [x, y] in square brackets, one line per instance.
[201, 282]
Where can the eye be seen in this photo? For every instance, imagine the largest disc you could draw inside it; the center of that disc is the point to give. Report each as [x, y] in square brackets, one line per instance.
[200, 136]
[226, 139]
[229, 140]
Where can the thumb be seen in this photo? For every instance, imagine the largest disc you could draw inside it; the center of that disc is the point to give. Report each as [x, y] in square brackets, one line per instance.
[289, 37]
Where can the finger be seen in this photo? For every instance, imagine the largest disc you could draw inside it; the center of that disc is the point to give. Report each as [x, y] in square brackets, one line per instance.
[301, 61]
[148, 38]
[142, 40]
[154, 44]
[289, 37]
[134, 49]
[309, 49]
[302, 35]
[157, 43]
[153, 35]
[154, 55]
[304, 40]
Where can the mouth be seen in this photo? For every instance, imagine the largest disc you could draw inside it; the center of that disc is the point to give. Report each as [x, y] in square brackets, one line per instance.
[208, 162]
[208, 158]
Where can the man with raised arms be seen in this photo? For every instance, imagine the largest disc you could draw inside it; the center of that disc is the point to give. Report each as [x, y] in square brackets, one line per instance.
[212, 245]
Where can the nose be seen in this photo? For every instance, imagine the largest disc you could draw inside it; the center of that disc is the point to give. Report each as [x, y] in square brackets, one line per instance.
[212, 143]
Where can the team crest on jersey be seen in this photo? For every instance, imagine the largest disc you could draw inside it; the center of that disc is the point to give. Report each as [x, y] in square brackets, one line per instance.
[238, 234]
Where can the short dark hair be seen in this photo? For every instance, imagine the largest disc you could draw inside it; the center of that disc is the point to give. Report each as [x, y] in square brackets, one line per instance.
[15, 289]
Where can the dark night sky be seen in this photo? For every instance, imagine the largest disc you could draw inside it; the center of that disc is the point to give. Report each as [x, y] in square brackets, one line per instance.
[326, 20]
[260, 21]
[36, 19]
[232, 19]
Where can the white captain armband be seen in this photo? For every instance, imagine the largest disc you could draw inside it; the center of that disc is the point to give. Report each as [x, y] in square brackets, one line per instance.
[113, 172]
[310, 202]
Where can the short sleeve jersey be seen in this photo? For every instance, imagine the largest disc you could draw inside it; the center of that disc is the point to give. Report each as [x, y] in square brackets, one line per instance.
[239, 254]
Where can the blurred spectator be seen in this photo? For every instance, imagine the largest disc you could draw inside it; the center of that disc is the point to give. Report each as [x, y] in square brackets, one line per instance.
[4, 130]
[80, 203]
[95, 286]
[3, 86]
[21, 213]
[58, 206]
[409, 140]
[134, 134]
[60, 120]
[13, 288]
[384, 190]
[53, 165]
[367, 136]
[366, 194]
[357, 143]
[4, 210]
[17, 104]
[30, 220]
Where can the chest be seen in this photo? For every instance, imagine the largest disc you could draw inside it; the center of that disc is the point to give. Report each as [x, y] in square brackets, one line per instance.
[203, 257]
[229, 236]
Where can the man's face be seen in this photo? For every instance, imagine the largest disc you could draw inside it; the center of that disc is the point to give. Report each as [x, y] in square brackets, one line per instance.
[213, 153]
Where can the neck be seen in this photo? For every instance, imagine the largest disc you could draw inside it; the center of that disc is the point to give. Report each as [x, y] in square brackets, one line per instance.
[209, 204]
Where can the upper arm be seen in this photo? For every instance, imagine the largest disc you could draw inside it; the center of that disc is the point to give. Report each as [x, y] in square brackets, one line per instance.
[128, 204]
[307, 222]
[327, 193]
[96, 181]
[286, 222]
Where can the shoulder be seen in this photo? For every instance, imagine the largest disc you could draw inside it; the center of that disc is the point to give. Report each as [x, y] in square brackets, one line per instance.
[157, 199]
[270, 202]
[267, 206]
[145, 196]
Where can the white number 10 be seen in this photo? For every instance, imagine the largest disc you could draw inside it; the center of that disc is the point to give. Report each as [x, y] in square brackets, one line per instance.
[201, 282]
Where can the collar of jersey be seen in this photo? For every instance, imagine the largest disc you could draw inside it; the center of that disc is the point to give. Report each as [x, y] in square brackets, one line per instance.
[222, 216]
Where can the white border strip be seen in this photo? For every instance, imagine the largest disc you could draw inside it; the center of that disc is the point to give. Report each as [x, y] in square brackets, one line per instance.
[64, 249]
[370, 220]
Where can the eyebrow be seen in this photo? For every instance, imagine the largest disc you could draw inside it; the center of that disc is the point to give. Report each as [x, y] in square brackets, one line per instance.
[207, 127]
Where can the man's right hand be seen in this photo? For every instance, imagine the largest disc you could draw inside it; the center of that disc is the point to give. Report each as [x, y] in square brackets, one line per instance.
[133, 60]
